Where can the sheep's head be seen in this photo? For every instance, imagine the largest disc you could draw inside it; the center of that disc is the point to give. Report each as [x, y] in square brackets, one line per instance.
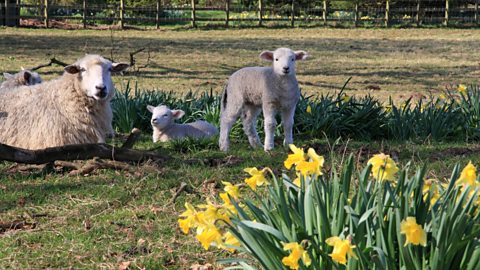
[25, 77]
[283, 60]
[162, 116]
[95, 75]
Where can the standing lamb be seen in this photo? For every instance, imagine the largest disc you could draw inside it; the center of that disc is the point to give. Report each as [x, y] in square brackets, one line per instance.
[72, 109]
[165, 129]
[253, 89]
[24, 77]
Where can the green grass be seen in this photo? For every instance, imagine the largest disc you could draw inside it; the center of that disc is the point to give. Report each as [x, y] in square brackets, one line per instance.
[122, 208]
[396, 62]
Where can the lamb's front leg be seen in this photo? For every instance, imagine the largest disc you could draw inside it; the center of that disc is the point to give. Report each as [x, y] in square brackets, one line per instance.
[270, 124]
[287, 120]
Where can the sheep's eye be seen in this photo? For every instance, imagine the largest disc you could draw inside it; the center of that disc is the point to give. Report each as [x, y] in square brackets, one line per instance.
[165, 115]
[82, 70]
[276, 59]
[293, 59]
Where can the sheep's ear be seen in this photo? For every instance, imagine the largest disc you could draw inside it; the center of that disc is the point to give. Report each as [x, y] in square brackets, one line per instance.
[7, 75]
[267, 55]
[27, 75]
[150, 108]
[72, 69]
[301, 55]
[118, 67]
[177, 114]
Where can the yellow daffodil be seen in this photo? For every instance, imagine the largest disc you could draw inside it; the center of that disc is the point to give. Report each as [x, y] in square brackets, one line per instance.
[383, 167]
[230, 189]
[431, 186]
[257, 178]
[309, 109]
[468, 176]
[388, 108]
[462, 88]
[209, 234]
[293, 159]
[313, 166]
[297, 253]
[230, 240]
[297, 181]
[190, 220]
[345, 98]
[340, 249]
[413, 232]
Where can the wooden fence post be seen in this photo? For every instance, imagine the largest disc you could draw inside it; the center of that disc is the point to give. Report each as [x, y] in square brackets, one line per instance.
[445, 22]
[293, 14]
[476, 11]
[122, 13]
[260, 13]
[6, 19]
[387, 11]
[157, 18]
[84, 19]
[356, 14]
[45, 13]
[325, 12]
[417, 18]
[227, 12]
[194, 23]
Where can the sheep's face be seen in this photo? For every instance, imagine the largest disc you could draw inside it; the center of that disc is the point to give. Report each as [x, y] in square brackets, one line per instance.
[163, 117]
[95, 75]
[31, 78]
[283, 60]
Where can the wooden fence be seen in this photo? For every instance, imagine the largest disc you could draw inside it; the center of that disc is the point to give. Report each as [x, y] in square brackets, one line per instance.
[333, 12]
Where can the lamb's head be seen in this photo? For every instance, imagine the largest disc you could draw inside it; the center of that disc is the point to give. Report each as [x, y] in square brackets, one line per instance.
[24, 77]
[283, 60]
[162, 116]
[94, 73]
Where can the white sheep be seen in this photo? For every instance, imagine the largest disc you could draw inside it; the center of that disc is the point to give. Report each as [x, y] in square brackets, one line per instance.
[165, 129]
[253, 89]
[72, 109]
[24, 77]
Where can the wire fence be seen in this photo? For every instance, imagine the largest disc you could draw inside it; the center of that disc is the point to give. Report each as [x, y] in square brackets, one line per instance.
[347, 13]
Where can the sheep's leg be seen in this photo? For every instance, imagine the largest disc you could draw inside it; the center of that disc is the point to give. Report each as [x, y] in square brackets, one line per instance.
[249, 120]
[227, 119]
[270, 124]
[287, 119]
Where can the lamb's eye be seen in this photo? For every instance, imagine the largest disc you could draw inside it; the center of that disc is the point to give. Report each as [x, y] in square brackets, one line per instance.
[165, 115]
[276, 59]
[293, 59]
[82, 70]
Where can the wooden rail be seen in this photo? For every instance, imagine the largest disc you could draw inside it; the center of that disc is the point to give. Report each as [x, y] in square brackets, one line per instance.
[324, 12]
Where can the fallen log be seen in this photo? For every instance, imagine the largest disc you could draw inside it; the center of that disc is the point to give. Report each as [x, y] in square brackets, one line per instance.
[76, 152]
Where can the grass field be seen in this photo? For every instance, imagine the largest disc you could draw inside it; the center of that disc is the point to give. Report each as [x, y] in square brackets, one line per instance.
[383, 62]
[112, 218]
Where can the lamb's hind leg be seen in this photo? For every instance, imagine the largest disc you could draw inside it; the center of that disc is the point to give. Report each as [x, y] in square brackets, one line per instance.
[228, 117]
[249, 120]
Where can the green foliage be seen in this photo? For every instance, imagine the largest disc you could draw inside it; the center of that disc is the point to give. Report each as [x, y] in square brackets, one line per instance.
[368, 213]
[456, 117]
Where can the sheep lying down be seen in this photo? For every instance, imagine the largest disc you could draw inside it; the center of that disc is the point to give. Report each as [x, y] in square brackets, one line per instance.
[165, 129]
[24, 77]
[72, 109]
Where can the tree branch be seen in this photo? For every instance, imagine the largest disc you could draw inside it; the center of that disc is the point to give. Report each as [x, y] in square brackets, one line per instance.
[76, 152]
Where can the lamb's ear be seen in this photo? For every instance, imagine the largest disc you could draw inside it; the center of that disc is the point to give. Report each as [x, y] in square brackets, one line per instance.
[177, 114]
[267, 55]
[27, 75]
[7, 75]
[72, 69]
[118, 67]
[301, 55]
[150, 108]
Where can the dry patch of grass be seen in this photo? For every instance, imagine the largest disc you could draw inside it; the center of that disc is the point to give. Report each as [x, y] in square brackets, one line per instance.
[383, 62]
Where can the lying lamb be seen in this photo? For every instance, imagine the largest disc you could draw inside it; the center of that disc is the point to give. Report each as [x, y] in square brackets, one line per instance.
[251, 89]
[165, 129]
[72, 109]
[24, 77]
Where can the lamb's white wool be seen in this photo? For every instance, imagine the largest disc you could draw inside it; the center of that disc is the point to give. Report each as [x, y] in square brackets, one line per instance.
[24, 77]
[72, 109]
[165, 128]
[253, 89]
